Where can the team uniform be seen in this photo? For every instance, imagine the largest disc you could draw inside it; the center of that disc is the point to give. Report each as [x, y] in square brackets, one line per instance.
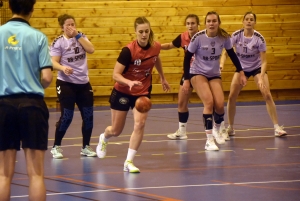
[24, 114]
[248, 51]
[183, 40]
[207, 52]
[74, 88]
[139, 62]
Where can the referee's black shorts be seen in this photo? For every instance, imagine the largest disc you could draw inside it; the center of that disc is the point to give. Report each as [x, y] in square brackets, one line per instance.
[24, 119]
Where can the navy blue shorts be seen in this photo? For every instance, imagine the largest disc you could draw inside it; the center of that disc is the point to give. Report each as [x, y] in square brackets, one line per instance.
[24, 119]
[122, 102]
[252, 73]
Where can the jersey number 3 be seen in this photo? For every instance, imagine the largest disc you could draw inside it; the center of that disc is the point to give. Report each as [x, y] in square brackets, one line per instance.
[213, 50]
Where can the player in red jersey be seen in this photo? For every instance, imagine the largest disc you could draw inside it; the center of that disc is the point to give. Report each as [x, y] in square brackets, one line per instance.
[192, 23]
[133, 76]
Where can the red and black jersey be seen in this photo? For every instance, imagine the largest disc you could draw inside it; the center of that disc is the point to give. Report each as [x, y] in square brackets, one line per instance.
[183, 40]
[139, 68]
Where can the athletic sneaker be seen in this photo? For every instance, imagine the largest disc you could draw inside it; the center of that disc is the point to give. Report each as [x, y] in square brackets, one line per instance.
[130, 167]
[177, 135]
[88, 151]
[218, 135]
[223, 131]
[230, 131]
[56, 151]
[101, 148]
[279, 132]
[211, 145]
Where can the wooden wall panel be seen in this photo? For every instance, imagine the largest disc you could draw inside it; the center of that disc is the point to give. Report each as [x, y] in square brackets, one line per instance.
[109, 26]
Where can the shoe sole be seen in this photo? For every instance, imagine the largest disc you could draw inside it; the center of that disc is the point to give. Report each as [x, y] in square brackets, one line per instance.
[212, 149]
[280, 135]
[177, 138]
[127, 170]
[82, 154]
[58, 157]
[99, 154]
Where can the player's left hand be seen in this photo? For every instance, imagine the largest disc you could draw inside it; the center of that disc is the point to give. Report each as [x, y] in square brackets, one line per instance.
[165, 85]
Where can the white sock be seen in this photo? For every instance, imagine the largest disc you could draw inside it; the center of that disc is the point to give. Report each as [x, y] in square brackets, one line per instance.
[182, 127]
[131, 154]
[276, 126]
[217, 125]
[104, 138]
[209, 134]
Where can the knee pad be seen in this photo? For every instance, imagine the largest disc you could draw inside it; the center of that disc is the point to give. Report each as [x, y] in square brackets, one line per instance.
[87, 117]
[207, 121]
[65, 120]
[218, 118]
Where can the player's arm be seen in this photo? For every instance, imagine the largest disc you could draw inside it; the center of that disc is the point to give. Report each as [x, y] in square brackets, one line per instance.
[46, 77]
[167, 46]
[263, 57]
[235, 60]
[174, 44]
[164, 82]
[86, 44]
[223, 59]
[57, 66]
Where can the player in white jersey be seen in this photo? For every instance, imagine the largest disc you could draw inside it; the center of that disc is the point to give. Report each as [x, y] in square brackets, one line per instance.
[251, 48]
[68, 52]
[205, 75]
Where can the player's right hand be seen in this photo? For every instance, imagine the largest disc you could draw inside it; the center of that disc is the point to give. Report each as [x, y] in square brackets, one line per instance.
[68, 70]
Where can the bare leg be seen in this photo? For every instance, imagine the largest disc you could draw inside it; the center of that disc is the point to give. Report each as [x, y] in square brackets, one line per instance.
[7, 168]
[266, 93]
[138, 130]
[118, 119]
[35, 170]
[235, 89]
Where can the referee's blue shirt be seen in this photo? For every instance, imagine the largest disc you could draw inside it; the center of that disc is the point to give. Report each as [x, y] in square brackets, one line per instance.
[23, 54]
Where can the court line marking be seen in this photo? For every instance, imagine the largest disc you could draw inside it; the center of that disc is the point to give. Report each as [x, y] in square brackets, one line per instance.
[190, 108]
[165, 187]
[200, 139]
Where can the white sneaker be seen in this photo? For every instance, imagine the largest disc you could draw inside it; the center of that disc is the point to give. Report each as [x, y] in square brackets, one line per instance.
[88, 151]
[177, 135]
[218, 135]
[130, 167]
[223, 131]
[230, 131]
[211, 145]
[56, 151]
[101, 148]
[279, 132]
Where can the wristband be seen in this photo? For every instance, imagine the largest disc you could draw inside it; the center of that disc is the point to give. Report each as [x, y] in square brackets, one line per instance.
[78, 36]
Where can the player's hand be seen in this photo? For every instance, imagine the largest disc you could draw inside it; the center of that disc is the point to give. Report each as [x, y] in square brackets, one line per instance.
[134, 83]
[165, 85]
[186, 86]
[71, 31]
[68, 70]
[261, 83]
[243, 79]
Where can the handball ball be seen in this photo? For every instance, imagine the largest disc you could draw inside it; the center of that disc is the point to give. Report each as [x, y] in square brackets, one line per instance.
[143, 104]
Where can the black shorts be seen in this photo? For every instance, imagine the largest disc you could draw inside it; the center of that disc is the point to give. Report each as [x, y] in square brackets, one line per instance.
[24, 118]
[208, 78]
[122, 102]
[252, 73]
[182, 80]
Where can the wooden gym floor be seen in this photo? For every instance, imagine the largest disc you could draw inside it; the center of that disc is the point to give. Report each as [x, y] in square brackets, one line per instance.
[253, 165]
